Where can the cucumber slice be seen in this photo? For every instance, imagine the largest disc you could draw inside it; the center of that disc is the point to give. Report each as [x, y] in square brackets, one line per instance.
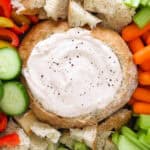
[15, 100]
[1, 90]
[10, 63]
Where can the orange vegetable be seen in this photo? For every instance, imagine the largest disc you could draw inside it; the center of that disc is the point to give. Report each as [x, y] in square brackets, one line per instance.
[146, 37]
[142, 55]
[144, 78]
[145, 66]
[131, 101]
[141, 108]
[131, 32]
[136, 45]
[142, 94]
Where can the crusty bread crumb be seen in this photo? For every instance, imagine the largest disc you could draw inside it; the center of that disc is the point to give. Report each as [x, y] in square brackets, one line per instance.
[77, 16]
[114, 13]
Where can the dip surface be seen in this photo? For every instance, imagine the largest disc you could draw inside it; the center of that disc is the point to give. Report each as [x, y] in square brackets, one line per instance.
[72, 73]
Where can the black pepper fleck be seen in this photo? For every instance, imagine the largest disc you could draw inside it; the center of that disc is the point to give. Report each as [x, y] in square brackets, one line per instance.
[108, 84]
[77, 56]
[42, 76]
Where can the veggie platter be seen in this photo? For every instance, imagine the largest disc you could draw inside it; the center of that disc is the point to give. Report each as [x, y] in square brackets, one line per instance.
[14, 98]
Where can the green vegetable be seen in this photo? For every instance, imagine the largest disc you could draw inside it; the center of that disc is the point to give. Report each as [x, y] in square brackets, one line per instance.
[143, 122]
[115, 138]
[142, 17]
[145, 140]
[1, 90]
[132, 3]
[144, 2]
[132, 136]
[15, 100]
[52, 146]
[61, 148]
[126, 144]
[80, 146]
[10, 63]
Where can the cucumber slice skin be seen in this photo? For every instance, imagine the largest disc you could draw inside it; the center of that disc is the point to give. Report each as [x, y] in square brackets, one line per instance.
[15, 100]
[1, 90]
[10, 54]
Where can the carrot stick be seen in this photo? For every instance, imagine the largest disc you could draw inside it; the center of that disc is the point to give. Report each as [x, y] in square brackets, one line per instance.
[131, 101]
[144, 78]
[142, 94]
[145, 66]
[141, 108]
[146, 37]
[136, 45]
[131, 32]
[142, 55]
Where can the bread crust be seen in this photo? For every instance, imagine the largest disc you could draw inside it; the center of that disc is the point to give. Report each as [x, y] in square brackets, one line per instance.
[129, 82]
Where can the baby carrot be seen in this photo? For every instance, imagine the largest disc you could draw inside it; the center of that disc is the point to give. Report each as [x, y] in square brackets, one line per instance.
[141, 108]
[131, 101]
[142, 94]
[145, 66]
[142, 55]
[131, 32]
[136, 45]
[146, 37]
[144, 78]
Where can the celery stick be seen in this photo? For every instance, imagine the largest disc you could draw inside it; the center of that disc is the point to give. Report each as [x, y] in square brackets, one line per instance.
[132, 3]
[142, 17]
[143, 122]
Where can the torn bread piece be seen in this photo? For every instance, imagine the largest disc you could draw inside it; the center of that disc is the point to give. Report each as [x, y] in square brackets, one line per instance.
[87, 135]
[56, 9]
[107, 127]
[116, 120]
[20, 8]
[66, 139]
[38, 143]
[32, 4]
[30, 124]
[26, 121]
[77, 16]
[46, 131]
[115, 14]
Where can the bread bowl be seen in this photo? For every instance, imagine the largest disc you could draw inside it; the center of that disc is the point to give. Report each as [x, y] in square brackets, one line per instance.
[125, 86]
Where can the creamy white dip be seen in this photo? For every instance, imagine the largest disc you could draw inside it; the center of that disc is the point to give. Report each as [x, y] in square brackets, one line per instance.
[73, 73]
